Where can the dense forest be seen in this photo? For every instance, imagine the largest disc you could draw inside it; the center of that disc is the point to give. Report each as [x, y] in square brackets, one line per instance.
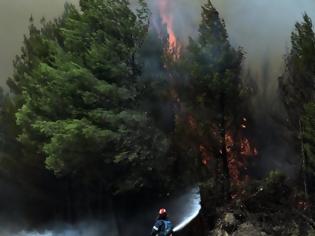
[103, 108]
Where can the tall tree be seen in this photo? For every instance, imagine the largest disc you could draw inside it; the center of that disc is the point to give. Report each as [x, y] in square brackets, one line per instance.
[297, 89]
[81, 105]
[212, 92]
[297, 83]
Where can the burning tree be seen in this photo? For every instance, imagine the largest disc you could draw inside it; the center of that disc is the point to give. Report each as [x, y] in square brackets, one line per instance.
[167, 19]
[211, 94]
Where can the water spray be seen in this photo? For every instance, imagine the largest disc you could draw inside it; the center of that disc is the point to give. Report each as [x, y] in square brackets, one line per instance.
[191, 210]
[186, 221]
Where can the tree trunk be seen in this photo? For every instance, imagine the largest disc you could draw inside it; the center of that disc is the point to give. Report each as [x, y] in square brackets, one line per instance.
[70, 200]
[223, 152]
[114, 212]
[87, 198]
[303, 166]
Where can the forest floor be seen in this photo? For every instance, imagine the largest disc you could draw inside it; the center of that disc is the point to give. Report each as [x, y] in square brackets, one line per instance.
[267, 207]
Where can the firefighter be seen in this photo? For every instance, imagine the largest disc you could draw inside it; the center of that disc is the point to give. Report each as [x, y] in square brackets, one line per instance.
[163, 226]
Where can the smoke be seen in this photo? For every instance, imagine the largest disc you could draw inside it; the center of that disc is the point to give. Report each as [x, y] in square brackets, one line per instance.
[184, 16]
[130, 220]
[188, 207]
[262, 29]
[86, 228]
[137, 219]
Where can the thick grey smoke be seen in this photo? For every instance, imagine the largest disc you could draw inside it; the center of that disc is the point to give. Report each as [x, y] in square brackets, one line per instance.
[86, 228]
[262, 28]
[133, 220]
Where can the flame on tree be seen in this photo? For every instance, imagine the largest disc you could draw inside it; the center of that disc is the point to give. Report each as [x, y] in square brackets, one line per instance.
[207, 91]
[174, 46]
[212, 95]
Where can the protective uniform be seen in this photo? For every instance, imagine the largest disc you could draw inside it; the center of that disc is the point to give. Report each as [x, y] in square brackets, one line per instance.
[163, 226]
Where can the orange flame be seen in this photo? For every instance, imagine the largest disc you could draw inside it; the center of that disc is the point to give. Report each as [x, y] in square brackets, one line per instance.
[237, 159]
[167, 19]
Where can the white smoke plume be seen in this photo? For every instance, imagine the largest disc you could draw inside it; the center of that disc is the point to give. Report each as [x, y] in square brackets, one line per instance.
[86, 228]
[261, 28]
[134, 220]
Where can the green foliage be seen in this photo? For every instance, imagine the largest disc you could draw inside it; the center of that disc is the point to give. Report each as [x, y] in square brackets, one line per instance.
[212, 29]
[213, 69]
[81, 97]
[297, 83]
[297, 92]
[35, 50]
[210, 88]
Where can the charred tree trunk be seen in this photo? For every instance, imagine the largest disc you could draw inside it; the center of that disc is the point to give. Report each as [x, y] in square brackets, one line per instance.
[223, 151]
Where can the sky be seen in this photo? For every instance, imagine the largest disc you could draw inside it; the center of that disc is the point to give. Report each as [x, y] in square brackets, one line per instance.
[261, 27]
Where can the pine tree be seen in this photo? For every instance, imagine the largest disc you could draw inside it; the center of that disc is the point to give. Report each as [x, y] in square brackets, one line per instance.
[296, 87]
[297, 83]
[81, 109]
[212, 92]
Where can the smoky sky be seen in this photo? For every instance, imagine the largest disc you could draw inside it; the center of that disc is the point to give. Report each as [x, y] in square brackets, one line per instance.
[261, 27]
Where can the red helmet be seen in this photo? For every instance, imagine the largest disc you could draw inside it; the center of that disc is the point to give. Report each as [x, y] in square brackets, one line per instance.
[162, 212]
